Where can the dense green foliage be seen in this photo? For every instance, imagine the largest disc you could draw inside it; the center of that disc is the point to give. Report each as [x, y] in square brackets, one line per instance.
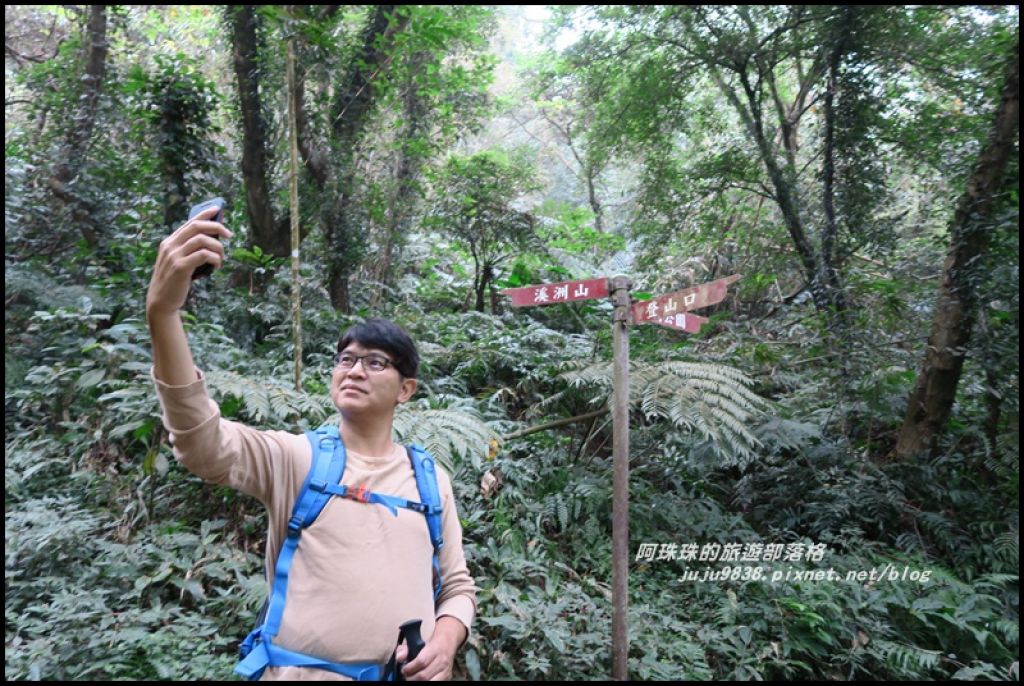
[774, 426]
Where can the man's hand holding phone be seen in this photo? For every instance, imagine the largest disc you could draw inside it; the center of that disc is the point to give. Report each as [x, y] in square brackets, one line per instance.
[191, 252]
[218, 217]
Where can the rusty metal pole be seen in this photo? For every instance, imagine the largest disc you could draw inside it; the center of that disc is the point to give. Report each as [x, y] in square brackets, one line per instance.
[620, 286]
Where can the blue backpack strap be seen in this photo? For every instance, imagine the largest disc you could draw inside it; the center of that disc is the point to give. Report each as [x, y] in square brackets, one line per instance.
[326, 467]
[426, 483]
[266, 653]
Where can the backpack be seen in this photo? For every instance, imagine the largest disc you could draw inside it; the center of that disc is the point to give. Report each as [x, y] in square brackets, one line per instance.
[324, 481]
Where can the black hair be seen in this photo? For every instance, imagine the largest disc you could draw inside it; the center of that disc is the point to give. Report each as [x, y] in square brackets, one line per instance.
[385, 335]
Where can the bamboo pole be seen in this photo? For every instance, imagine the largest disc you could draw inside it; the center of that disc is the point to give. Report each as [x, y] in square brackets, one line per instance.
[296, 301]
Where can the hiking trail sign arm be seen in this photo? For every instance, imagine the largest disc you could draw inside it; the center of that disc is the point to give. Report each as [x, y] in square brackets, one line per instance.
[553, 293]
[673, 309]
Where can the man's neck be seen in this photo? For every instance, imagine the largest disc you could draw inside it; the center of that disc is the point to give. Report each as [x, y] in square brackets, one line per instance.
[371, 438]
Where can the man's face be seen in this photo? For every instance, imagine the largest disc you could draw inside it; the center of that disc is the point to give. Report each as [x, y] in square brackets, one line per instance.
[361, 391]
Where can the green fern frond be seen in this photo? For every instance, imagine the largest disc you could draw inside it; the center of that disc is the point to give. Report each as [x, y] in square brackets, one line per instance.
[711, 400]
[1007, 545]
[1008, 629]
[269, 401]
[908, 659]
[445, 433]
[788, 434]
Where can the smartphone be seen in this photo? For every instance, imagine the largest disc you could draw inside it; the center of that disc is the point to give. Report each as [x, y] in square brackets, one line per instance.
[207, 269]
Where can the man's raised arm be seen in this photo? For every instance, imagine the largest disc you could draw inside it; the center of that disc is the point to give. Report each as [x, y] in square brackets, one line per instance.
[191, 245]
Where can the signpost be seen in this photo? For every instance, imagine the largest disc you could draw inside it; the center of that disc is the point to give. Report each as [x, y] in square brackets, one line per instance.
[671, 310]
[620, 478]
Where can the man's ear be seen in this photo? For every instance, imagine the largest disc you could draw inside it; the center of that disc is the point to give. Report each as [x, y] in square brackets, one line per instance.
[408, 389]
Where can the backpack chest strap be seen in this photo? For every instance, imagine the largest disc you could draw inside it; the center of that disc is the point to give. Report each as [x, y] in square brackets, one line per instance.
[362, 495]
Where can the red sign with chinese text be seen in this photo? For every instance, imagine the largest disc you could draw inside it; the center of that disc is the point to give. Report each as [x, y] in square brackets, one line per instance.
[659, 309]
[551, 293]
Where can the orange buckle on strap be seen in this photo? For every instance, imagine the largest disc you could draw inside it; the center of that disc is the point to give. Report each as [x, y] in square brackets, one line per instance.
[360, 493]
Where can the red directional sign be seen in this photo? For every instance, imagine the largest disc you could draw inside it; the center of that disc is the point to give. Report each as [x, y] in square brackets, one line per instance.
[666, 307]
[550, 293]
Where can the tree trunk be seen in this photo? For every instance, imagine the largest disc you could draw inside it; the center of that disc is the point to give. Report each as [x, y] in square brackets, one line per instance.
[824, 293]
[477, 279]
[407, 170]
[932, 399]
[830, 229]
[344, 242]
[486, 286]
[355, 96]
[272, 237]
[993, 410]
[73, 154]
[822, 280]
[496, 308]
[313, 157]
[175, 195]
[341, 238]
[480, 289]
[337, 288]
[588, 173]
[595, 204]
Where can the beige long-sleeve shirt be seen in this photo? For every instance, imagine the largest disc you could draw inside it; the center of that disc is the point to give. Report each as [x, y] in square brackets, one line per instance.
[359, 571]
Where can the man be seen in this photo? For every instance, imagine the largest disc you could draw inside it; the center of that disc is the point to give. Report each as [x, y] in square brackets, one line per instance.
[359, 571]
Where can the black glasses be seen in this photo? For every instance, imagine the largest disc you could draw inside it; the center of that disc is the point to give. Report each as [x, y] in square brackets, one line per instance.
[374, 362]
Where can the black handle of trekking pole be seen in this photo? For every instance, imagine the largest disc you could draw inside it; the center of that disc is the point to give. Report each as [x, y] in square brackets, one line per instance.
[410, 633]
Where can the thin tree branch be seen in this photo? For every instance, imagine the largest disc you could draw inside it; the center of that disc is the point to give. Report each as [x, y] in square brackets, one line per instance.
[554, 424]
